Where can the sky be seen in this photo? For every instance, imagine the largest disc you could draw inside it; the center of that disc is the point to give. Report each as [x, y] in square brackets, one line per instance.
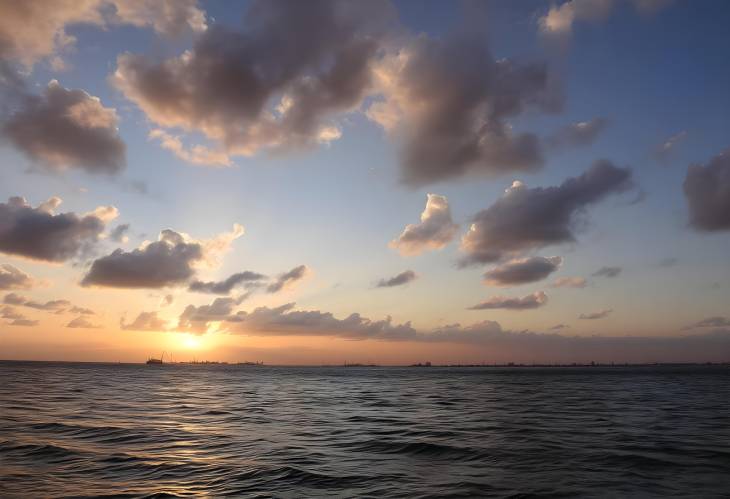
[377, 182]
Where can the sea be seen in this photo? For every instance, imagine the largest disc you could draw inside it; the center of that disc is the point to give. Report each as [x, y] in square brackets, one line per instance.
[125, 430]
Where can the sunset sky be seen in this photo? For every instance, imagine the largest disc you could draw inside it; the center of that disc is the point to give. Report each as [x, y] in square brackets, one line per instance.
[322, 182]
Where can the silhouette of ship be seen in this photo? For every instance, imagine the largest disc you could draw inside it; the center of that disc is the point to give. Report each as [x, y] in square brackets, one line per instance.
[156, 362]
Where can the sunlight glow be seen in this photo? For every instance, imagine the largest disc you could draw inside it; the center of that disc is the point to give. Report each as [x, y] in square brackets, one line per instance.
[190, 341]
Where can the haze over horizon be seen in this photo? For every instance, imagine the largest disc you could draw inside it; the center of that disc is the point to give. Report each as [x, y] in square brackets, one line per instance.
[372, 182]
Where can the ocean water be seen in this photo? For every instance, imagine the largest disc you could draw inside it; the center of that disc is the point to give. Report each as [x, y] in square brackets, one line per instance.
[135, 430]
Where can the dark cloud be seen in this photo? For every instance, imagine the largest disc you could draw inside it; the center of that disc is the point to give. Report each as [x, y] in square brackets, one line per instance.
[449, 99]
[403, 278]
[578, 134]
[435, 230]
[40, 234]
[607, 272]
[119, 234]
[288, 279]
[707, 189]
[166, 262]
[67, 129]
[596, 315]
[82, 323]
[145, 321]
[226, 286]
[276, 84]
[529, 218]
[522, 271]
[13, 278]
[569, 282]
[534, 300]
[558, 327]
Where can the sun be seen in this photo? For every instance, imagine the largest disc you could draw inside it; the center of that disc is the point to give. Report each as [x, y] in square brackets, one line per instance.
[191, 341]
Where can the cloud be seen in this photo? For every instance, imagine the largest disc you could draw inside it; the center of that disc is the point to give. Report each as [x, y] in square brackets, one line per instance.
[534, 300]
[707, 189]
[607, 272]
[275, 85]
[58, 306]
[435, 230]
[166, 262]
[119, 234]
[32, 30]
[14, 278]
[487, 336]
[714, 322]
[399, 280]
[7, 312]
[82, 323]
[14, 299]
[196, 155]
[40, 234]
[50, 306]
[596, 315]
[145, 321]
[558, 23]
[197, 319]
[169, 261]
[167, 17]
[288, 279]
[569, 282]
[23, 322]
[522, 271]
[285, 321]
[15, 318]
[448, 101]
[530, 218]
[226, 286]
[64, 128]
[578, 134]
[665, 150]
[81, 310]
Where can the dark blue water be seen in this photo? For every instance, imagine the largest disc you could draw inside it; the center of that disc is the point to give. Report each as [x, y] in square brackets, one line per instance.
[94, 430]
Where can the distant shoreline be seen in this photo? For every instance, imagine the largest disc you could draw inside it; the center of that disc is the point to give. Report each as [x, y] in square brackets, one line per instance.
[376, 366]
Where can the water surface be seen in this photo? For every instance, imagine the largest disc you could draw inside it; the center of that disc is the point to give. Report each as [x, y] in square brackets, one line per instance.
[105, 429]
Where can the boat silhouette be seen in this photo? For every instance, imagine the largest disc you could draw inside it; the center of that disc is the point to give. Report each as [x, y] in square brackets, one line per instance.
[153, 361]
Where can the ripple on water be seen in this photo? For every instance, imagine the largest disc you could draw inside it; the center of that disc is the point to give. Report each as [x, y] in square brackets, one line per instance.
[69, 430]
